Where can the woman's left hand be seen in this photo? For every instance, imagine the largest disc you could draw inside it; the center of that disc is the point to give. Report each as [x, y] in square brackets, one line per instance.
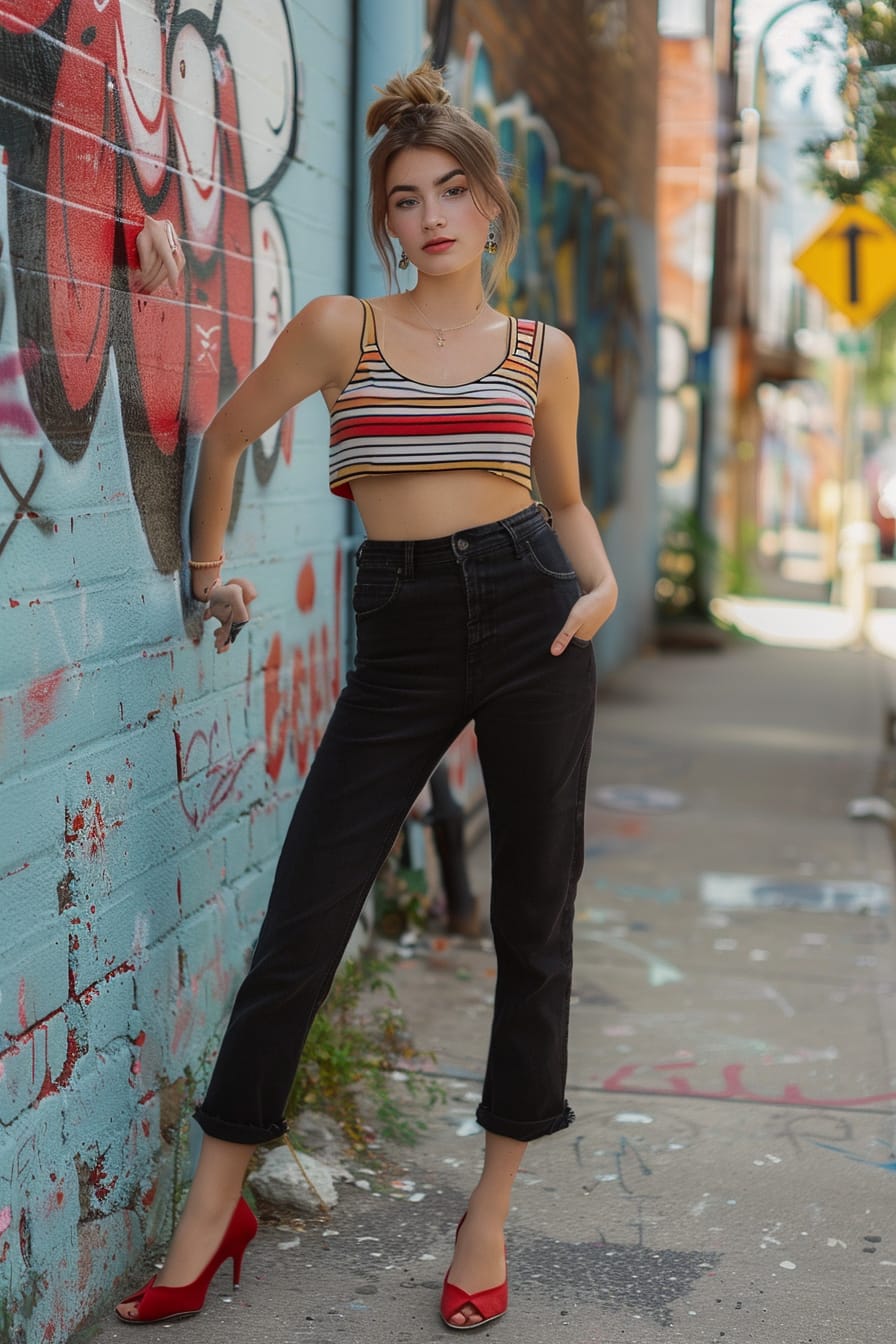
[586, 616]
[228, 603]
[160, 254]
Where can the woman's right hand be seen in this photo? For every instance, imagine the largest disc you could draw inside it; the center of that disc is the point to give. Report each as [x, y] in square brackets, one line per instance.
[229, 605]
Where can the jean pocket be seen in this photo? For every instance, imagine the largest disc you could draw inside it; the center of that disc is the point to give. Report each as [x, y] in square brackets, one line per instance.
[374, 591]
[548, 557]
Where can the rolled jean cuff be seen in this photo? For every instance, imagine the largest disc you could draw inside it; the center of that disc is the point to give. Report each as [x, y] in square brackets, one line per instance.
[524, 1131]
[231, 1133]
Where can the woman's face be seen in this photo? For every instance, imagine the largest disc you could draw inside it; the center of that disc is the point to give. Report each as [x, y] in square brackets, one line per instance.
[431, 211]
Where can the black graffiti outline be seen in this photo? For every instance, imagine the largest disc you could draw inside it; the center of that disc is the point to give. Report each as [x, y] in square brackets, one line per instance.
[23, 503]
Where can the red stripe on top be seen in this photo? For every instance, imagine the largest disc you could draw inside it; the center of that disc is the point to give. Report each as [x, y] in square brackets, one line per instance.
[390, 408]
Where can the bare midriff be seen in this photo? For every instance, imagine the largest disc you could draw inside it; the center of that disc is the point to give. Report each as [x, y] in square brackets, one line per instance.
[413, 505]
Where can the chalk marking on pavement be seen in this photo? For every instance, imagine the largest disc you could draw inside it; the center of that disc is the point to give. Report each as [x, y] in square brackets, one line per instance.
[659, 972]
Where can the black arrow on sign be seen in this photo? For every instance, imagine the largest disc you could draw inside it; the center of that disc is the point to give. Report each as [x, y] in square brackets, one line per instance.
[852, 234]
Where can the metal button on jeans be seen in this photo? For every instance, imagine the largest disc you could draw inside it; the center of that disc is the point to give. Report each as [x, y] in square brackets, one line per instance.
[462, 544]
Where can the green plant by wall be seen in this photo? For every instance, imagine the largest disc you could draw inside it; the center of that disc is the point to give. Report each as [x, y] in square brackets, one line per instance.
[359, 1064]
[400, 894]
[685, 565]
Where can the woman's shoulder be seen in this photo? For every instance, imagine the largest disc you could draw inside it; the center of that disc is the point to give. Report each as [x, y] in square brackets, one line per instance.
[555, 338]
[330, 311]
[558, 348]
[559, 364]
[330, 322]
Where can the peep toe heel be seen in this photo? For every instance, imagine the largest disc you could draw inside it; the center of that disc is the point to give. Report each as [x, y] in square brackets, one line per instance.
[490, 1303]
[159, 1303]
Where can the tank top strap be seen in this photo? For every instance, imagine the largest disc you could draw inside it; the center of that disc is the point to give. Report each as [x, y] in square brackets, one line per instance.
[368, 334]
[528, 340]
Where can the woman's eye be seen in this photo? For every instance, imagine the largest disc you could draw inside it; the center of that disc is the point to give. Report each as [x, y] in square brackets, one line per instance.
[409, 200]
[455, 191]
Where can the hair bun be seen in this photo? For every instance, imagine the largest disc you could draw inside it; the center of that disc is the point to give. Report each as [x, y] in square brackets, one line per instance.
[423, 87]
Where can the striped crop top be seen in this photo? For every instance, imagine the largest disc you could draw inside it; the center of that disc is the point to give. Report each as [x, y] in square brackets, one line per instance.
[382, 421]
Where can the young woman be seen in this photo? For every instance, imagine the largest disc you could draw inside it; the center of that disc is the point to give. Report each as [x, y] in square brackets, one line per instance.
[469, 605]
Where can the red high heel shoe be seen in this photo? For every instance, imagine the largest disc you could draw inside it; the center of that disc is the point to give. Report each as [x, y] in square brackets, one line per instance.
[490, 1303]
[164, 1304]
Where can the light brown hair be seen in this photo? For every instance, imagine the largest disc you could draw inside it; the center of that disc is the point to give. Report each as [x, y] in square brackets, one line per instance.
[417, 112]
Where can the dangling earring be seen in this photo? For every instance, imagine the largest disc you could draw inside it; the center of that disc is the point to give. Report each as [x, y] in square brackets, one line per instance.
[403, 262]
[491, 242]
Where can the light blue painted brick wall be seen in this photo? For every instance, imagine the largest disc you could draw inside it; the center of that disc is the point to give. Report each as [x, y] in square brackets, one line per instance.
[145, 785]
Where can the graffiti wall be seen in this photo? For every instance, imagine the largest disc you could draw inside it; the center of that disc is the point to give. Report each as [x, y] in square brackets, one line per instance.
[146, 784]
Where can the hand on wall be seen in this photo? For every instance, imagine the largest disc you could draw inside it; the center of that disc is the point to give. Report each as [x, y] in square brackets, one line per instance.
[161, 256]
[229, 604]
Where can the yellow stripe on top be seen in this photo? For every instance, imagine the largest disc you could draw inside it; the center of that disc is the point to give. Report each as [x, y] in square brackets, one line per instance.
[383, 422]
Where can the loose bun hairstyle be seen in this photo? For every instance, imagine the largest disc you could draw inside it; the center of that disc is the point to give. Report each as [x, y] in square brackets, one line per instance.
[416, 111]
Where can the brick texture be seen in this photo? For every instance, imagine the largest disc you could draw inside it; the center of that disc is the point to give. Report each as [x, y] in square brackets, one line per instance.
[145, 783]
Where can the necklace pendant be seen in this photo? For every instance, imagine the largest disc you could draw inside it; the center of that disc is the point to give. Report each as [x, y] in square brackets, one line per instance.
[440, 340]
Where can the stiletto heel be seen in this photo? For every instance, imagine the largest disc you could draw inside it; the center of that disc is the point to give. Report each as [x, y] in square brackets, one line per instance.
[490, 1302]
[164, 1304]
[237, 1268]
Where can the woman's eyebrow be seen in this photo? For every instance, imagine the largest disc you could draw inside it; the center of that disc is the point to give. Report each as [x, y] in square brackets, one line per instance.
[439, 182]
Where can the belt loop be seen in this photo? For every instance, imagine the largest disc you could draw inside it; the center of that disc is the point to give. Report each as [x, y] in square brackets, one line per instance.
[545, 512]
[511, 532]
[407, 567]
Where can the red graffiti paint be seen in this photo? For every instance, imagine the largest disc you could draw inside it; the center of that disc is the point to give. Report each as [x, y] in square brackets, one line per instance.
[193, 981]
[734, 1089]
[298, 705]
[136, 118]
[216, 773]
[305, 587]
[81, 220]
[275, 724]
[462, 757]
[13, 415]
[39, 702]
[75, 1048]
[38, 13]
[87, 829]
[103, 1184]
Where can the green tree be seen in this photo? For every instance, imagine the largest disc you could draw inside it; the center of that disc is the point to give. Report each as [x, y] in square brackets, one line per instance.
[861, 161]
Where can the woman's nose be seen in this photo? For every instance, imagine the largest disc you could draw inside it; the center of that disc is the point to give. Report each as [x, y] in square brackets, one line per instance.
[435, 216]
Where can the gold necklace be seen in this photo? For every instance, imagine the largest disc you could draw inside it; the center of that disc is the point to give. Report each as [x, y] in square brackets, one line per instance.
[440, 331]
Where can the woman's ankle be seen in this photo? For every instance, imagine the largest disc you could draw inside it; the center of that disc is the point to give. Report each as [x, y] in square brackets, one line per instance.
[486, 1206]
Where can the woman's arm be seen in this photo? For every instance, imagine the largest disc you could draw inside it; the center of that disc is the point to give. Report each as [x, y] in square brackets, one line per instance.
[311, 353]
[555, 463]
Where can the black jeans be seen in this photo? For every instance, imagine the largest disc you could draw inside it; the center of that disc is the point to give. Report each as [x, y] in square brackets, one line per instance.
[449, 629]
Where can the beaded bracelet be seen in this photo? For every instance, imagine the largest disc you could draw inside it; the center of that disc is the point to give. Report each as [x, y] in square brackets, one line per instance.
[207, 564]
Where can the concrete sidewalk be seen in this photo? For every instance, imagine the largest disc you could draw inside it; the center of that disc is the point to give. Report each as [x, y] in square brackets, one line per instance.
[731, 1176]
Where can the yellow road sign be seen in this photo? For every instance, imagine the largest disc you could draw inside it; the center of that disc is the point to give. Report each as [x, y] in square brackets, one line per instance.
[852, 260]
